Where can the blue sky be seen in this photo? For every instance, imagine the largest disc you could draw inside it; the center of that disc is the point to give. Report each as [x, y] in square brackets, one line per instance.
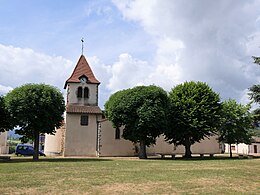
[56, 27]
[129, 43]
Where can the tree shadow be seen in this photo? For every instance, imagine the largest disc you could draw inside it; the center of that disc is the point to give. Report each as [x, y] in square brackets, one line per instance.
[29, 160]
[96, 159]
[198, 158]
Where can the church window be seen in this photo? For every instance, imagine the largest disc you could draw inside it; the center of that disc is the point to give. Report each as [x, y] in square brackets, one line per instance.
[86, 92]
[79, 93]
[117, 133]
[84, 120]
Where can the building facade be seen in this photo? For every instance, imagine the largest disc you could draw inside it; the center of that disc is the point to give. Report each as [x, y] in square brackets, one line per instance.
[87, 133]
[253, 148]
[4, 148]
[82, 111]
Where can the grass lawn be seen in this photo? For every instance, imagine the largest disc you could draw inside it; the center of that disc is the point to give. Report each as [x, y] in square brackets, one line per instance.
[129, 176]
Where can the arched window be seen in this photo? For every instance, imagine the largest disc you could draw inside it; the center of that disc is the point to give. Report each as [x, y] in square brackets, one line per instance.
[79, 94]
[86, 92]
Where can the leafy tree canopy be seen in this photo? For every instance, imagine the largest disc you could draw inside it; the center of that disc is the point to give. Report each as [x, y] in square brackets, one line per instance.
[5, 122]
[236, 122]
[194, 114]
[36, 109]
[255, 89]
[254, 93]
[256, 60]
[142, 111]
[256, 119]
[255, 132]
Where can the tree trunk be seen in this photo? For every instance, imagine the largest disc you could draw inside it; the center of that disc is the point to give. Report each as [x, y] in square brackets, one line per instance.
[187, 148]
[142, 151]
[230, 151]
[36, 145]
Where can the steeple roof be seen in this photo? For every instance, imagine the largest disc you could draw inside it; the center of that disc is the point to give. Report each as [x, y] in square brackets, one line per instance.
[82, 69]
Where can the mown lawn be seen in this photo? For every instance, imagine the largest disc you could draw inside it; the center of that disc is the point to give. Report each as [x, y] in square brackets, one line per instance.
[130, 176]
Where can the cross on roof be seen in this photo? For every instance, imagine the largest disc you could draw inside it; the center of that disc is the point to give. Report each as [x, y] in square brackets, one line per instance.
[82, 45]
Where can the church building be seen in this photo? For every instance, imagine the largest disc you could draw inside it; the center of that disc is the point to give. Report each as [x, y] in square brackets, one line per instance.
[87, 133]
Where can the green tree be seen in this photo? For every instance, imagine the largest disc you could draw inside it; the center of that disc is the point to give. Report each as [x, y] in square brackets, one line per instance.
[235, 125]
[254, 91]
[142, 111]
[256, 120]
[256, 60]
[35, 109]
[254, 95]
[194, 114]
[5, 122]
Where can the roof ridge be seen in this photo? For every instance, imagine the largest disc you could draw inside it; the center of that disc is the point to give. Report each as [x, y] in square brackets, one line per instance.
[82, 68]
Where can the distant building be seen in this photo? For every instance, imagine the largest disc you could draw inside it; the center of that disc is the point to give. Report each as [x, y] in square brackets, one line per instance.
[253, 148]
[86, 133]
[4, 149]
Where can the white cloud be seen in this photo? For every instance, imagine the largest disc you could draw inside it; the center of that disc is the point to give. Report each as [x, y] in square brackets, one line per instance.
[103, 73]
[160, 42]
[5, 89]
[127, 72]
[210, 41]
[245, 97]
[23, 65]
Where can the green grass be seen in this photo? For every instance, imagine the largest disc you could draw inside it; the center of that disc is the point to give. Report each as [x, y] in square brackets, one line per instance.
[130, 176]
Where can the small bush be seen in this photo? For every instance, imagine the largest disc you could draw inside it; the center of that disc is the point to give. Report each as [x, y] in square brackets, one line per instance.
[12, 144]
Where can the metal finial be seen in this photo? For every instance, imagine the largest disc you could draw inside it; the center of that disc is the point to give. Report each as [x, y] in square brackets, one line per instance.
[82, 46]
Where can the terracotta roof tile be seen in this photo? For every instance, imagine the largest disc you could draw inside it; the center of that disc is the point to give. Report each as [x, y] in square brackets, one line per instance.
[82, 68]
[83, 109]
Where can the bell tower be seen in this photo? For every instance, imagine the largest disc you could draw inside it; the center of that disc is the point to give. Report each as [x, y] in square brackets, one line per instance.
[82, 86]
[82, 111]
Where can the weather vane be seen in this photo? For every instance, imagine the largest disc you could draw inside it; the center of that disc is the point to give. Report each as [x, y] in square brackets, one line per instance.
[82, 46]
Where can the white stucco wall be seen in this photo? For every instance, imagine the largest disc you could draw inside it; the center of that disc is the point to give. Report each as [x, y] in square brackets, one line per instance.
[114, 147]
[206, 146]
[243, 148]
[53, 143]
[254, 148]
[237, 148]
[109, 146]
[80, 140]
[72, 94]
[4, 149]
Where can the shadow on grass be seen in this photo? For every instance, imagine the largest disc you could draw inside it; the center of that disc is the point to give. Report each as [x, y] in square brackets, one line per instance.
[198, 158]
[25, 159]
[71, 159]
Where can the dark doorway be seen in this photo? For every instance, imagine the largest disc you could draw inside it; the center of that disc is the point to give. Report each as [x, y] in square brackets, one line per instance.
[255, 148]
